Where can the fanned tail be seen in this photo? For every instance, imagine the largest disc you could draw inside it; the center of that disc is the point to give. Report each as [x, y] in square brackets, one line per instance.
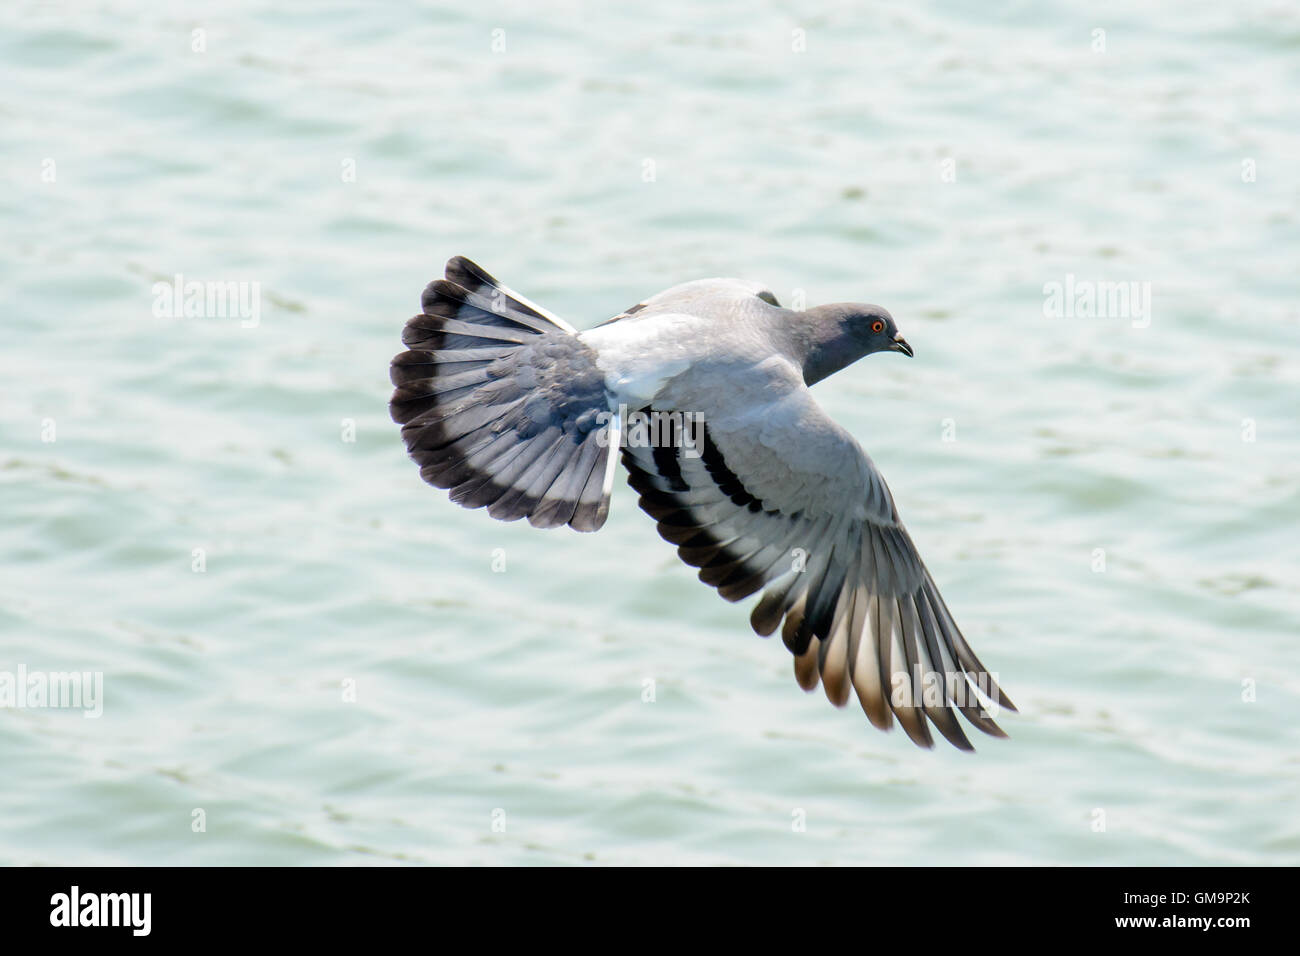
[501, 403]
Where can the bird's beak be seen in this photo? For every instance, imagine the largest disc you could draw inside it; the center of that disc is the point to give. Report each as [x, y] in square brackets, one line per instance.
[900, 345]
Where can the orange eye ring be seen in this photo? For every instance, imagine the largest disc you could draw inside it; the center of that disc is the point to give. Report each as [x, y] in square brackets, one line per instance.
[877, 326]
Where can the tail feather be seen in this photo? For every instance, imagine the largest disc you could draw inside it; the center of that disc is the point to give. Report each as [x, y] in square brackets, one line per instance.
[593, 501]
[500, 402]
[542, 467]
[557, 505]
[457, 462]
[503, 300]
[449, 332]
[421, 363]
[418, 395]
[442, 424]
[485, 487]
[466, 458]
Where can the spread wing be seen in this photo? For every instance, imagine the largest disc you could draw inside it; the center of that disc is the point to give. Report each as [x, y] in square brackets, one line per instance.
[761, 490]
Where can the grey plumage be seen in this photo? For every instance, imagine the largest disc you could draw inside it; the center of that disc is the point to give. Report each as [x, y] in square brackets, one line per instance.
[507, 406]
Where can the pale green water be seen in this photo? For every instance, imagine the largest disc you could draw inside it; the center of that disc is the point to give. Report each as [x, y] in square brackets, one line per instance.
[821, 171]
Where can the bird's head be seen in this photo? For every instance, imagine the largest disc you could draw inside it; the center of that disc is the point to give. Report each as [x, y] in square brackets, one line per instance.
[874, 329]
[831, 337]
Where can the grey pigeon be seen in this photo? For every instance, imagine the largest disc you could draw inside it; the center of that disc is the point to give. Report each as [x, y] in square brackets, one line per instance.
[703, 390]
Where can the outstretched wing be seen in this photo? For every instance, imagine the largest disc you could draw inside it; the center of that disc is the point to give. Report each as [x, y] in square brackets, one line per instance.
[761, 490]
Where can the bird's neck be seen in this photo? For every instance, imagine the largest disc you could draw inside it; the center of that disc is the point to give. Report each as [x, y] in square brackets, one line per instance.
[817, 342]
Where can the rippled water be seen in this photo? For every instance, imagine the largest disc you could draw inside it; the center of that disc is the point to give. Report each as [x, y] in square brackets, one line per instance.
[947, 163]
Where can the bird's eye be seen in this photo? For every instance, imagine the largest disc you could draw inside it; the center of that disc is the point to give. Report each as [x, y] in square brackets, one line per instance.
[877, 326]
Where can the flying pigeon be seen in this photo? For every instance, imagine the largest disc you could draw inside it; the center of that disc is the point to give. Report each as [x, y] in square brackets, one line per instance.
[703, 392]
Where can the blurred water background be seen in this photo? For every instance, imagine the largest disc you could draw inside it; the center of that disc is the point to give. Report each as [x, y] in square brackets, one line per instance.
[216, 513]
